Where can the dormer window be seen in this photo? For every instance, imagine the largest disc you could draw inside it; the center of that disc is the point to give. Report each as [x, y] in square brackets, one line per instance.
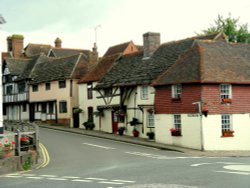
[176, 91]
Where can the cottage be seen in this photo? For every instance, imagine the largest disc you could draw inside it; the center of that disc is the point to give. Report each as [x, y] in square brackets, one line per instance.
[90, 99]
[40, 81]
[201, 101]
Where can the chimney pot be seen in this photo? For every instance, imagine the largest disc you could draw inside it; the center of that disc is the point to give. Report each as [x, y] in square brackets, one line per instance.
[58, 43]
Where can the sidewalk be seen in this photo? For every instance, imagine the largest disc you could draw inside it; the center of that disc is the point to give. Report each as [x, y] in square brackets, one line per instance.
[146, 142]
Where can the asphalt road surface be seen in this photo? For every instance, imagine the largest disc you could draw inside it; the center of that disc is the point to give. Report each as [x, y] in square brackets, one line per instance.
[82, 161]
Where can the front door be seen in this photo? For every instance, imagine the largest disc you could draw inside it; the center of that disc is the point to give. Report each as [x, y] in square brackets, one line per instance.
[76, 121]
[114, 122]
[32, 111]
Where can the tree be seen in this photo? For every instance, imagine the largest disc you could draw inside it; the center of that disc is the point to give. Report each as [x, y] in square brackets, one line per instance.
[231, 27]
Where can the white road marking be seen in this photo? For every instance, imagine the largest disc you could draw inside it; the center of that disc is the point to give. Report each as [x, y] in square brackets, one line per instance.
[39, 178]
[13, 176]
[124, 181]
[70, 177]
[82, 180]
[230, 172]
[29, 174]
[109, 182]
[100, 179]
[98, 146]
[200, 164]
[59, 179]
[49, 176]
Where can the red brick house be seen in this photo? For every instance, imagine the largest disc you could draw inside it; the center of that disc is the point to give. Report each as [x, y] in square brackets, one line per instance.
[202, 101]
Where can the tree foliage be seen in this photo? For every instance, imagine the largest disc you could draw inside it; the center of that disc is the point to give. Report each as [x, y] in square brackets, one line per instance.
[231, 27]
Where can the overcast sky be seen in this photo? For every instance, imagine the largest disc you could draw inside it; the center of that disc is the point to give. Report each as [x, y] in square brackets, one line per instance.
[41, 21]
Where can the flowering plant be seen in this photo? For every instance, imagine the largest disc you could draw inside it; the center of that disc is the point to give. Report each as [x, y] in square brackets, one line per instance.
[24, 140]
[175, 132]
[7, 145]
[228, 133]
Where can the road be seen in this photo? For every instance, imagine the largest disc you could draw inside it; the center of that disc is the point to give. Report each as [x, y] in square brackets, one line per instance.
[82, 161]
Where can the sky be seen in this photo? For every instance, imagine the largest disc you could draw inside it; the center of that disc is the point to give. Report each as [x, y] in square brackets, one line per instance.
[80, 23]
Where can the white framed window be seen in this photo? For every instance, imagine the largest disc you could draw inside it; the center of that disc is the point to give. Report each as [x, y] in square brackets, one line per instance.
[144, 92]
[176, 91]
[226, 122]
[225, 91]
[151, 121]
[177, 122]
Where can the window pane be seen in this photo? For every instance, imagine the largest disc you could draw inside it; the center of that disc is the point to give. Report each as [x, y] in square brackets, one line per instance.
[177, 122]
[225, 91]
[47, 86]
[151, 120]
[34, 88]
[21, 87]
[226, 122]
[176, 91]
[144, 92]
[90, 90]
[62, 84]
[63, 107]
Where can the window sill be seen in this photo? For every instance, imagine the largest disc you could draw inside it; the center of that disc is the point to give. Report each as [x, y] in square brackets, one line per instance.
[176, 134]
[227, 136]
[226, 101]
[176, 99]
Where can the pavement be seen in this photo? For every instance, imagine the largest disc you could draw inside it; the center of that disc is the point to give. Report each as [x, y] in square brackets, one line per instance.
[145, 142]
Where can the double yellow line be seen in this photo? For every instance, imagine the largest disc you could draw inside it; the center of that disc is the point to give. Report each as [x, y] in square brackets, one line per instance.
[46, 158]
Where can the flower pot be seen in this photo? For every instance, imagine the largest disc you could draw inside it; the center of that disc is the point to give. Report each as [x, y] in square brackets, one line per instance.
[136, 133]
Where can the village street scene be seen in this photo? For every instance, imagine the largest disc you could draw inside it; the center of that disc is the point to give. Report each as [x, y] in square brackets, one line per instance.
[147, 113]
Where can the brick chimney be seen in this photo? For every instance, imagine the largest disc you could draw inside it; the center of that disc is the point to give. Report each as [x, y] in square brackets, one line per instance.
[15, 45]
[58, 43]
[151, 41]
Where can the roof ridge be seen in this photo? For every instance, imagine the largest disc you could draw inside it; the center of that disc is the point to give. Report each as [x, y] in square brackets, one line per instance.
[73, 49]
[191, 38]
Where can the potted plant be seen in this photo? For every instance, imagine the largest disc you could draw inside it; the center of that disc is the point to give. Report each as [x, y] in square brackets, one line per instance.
[227, 133]
[175, 132]
[25, 141]
[226, 100]
[89, 125]
[151, 135]
[136, 132]
[121, 130]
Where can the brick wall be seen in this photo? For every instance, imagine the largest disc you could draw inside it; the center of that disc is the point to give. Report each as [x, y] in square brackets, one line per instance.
[210, 98]
[165, 105]
[240, 100]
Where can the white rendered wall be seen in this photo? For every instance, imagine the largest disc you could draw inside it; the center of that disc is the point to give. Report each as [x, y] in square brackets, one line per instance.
[191, 135]
[215, 141]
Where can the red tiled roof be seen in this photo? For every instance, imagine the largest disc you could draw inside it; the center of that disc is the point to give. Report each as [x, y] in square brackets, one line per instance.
[210, 62]
[100, 70]
[117, 49]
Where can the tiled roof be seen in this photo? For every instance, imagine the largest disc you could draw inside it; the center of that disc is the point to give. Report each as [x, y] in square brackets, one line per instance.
[20, 67]
[134, 70]
[36, 49]
[64, 52]
[49, 69]
[117, 49]
[100, 70]
[211, 62]
[17, 66]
